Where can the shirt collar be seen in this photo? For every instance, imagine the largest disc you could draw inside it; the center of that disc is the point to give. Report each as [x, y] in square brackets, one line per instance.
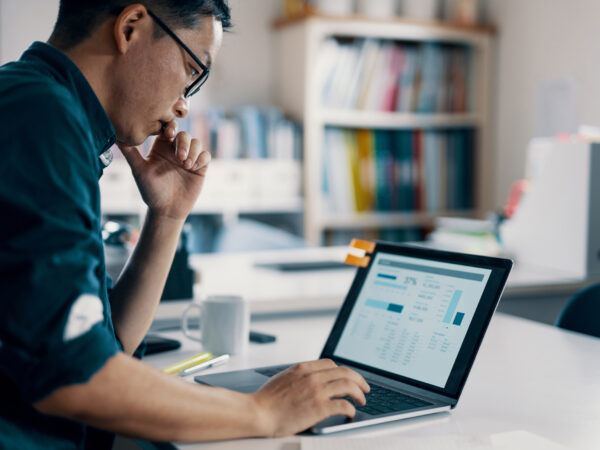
[67, 73]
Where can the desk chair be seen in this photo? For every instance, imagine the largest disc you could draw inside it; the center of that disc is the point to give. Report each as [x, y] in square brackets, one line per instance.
[582, 312]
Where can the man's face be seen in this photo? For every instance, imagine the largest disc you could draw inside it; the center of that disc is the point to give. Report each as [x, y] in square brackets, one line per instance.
[150, 81]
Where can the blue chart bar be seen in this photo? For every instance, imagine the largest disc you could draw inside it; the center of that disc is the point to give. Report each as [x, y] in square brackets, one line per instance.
[458, 318]
[392, 285]
[385, 275]
[378, 304]
[452, 306]
[395, 308]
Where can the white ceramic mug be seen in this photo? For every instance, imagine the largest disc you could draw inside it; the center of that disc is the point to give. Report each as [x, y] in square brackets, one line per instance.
[224, 324]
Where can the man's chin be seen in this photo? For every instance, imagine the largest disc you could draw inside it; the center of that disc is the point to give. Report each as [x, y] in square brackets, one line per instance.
[123, 145]
[130, 142]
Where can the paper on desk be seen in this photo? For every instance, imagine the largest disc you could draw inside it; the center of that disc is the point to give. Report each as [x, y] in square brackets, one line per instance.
[522, 439]
[501, 441]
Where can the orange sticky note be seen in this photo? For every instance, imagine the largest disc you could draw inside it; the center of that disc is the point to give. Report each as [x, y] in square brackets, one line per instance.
[367, 246]
[359, 261]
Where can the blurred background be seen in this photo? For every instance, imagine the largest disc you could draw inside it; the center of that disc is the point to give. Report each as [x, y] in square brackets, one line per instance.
[337, 119]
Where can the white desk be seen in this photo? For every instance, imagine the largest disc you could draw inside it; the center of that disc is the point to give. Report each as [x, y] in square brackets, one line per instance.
[272, 291]
[527, 376]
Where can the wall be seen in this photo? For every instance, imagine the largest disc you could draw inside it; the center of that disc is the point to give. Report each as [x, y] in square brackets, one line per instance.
[540, 40]
[22, 22]
[242, 74]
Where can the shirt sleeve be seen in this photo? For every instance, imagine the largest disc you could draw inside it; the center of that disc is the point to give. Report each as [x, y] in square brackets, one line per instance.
[55, 324]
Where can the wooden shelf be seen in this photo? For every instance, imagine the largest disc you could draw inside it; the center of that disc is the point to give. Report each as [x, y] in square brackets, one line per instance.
[233, 187]
[283, 206]
[382, 119]
[432, 25]
[390, 219]
[271, 206]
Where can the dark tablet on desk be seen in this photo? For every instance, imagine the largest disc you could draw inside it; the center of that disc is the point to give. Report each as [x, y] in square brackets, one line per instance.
[296, 266]
[158, 344]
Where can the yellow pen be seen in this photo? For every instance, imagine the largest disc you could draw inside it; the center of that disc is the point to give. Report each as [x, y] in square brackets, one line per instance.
[182, 365]
[205, 365]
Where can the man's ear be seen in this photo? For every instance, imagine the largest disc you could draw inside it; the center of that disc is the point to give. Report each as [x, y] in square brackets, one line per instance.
[128, 25]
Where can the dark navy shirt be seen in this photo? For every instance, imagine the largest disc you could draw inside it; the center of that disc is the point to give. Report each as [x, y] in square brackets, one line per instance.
[55, 321]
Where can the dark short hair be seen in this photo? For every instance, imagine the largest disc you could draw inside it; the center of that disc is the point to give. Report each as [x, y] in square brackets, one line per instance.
[78, 18]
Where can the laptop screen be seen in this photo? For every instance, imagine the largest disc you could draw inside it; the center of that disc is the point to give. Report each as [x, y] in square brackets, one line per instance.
[411, 316]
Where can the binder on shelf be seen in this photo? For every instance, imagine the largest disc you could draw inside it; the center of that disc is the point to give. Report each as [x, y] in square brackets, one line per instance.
[432, 164]
[367, 175]
[409, 80]
[404, 170]
[451, 169]
[383, 160]
[419, 170]
[338, 172]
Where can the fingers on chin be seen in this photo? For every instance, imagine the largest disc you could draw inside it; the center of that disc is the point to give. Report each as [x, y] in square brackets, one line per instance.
[200, 167]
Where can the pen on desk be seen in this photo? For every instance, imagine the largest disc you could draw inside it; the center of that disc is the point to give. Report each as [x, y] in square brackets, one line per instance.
[205, 365]
[190, 362]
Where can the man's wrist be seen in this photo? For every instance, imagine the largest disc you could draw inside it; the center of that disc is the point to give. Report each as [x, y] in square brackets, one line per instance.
[264, 421]
[162, 218]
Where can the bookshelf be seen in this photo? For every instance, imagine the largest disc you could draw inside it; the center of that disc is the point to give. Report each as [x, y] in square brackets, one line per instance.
[301, 41]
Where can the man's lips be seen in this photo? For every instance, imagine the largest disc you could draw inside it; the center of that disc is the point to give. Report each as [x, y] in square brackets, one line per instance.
[161, 127]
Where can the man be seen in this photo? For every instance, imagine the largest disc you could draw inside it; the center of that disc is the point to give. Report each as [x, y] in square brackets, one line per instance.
[114, 71]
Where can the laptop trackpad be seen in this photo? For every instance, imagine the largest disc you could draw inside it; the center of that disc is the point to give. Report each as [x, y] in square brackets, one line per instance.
[245, 381]
[249, 389]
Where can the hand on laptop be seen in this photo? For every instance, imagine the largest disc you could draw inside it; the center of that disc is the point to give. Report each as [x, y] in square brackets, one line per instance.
[307, 393]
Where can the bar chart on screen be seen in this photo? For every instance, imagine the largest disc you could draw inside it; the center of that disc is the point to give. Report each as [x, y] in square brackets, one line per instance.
[412, 315]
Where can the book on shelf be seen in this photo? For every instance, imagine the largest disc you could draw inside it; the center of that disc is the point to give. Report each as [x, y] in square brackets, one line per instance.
[250, 132]
[384, 169]
[383, 75]
[340, 190]
[400, 171]
[366, 170]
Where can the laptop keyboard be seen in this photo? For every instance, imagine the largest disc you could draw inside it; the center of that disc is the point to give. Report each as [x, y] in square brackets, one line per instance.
[379, 400]
[382, 401]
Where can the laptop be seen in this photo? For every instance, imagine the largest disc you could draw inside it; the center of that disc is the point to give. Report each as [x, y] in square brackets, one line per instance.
[411, 324]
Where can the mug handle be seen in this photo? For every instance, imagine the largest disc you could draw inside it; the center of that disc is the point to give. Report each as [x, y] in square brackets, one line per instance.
[184, 322]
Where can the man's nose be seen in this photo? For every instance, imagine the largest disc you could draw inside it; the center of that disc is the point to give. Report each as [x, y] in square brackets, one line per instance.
[182, 107]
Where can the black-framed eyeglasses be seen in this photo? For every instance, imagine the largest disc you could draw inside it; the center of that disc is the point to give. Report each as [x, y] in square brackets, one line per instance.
[198, 82]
